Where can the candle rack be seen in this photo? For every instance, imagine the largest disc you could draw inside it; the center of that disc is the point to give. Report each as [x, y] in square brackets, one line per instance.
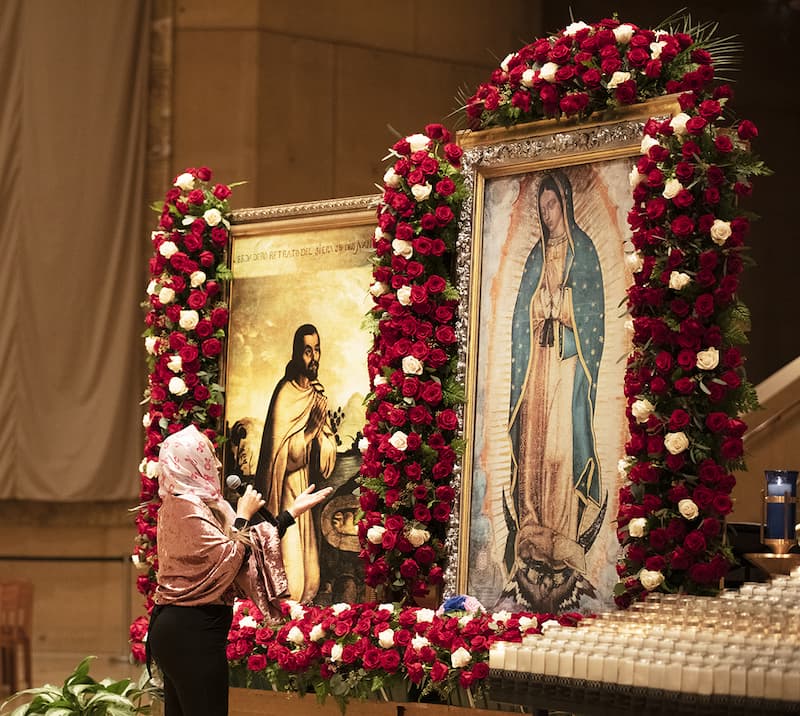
[779, 510]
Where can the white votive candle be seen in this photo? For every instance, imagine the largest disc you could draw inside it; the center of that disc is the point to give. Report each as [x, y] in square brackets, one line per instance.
[579, 665]
[551, 657]
[641, 672]
[524, 658]
[791, 684]
[565, 664]
[738, 680]
[497, 655]
[625, 671]
[755, 682]
[672, 676]
[594, 666]
[610, 668]
[511, 657]
[773, 684]
[722, 678]
[705, 679]
[537, 660]
[690, 678]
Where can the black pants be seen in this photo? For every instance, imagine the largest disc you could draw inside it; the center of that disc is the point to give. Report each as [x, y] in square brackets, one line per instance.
[188, 645]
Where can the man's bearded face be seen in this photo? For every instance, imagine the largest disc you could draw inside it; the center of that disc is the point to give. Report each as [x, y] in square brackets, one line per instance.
[311, 353]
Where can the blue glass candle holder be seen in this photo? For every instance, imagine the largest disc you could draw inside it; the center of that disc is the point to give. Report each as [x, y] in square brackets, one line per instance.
[779, 513]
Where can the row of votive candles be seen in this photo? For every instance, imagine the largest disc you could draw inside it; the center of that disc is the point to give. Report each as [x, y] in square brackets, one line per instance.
[744, 643]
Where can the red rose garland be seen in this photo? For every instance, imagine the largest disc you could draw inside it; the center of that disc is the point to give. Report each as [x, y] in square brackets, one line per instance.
[685, 382]
[353, 650]
[185, 331]
[408, 447]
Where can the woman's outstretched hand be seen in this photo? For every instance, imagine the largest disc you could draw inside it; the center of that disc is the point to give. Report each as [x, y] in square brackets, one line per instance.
[306, 500]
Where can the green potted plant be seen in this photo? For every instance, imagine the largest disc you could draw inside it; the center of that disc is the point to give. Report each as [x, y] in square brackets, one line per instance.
[82, 695]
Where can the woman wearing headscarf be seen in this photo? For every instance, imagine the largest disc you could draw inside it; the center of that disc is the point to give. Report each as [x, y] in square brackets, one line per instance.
[205, 549]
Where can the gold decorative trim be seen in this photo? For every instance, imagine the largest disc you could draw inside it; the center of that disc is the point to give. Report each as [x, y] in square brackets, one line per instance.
[306, 209]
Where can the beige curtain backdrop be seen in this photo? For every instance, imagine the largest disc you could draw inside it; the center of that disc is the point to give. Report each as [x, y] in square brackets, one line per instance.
[73, 110]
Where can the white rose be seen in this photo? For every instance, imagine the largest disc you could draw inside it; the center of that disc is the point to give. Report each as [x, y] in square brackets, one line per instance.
[527, 78]
[622, 466]
[339, 607]
[671, 188]
[198, 278]
[379, 380]
[655, 49]
[720, 231]
[317, 632]
[166, 295]
[378, 233]
[466, 619]
[212, 217]
[421, 191]
[412, 366]
[504, 64]
[386, 638]
[418, 642]
[549, 624]
[336, 652]
[167, 249]
[647, 142]
[146, 420]
[418, 142]
[526, 623]
[634, 261]
[501, 616]
[391, 178]
[363, 445]
[402, 248]
[296, 610]
[152, 288]
[184, 181]
[635, 178]
[630, 329]
[188, 319]
[150, 344]
[177, 386]
[637, 526]
[418, 537]
[676, 442]
[618, 78]
[378, 288]
[399, 440]
[460, 658]
[156, 235]
[708, 359]
[387, 606]
[688, 509]
[679, 280]
[642, 410]
[248, 622]
[375, 534]
[650, 579]
[175, 363]
[678, 123]
[575, 27]
[404, 295]
[548, 71]
[623, 33]
[153, 469]
[425, 615]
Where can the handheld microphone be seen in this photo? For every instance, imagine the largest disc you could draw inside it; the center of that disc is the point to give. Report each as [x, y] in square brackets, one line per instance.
[234, 482]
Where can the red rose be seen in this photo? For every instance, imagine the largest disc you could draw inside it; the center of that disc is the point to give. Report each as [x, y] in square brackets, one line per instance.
[257, 662]
[696, 125]
[695, 542]
[682, 226]
[747, 130]
[447, 419]
[206, 259]
[197, 299]
[204, 328]
[431, 392]
[723, 144]
[453, 154]
[211, 347]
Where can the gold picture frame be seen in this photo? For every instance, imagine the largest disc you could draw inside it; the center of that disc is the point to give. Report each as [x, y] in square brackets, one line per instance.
[301, 274]
[542, 276]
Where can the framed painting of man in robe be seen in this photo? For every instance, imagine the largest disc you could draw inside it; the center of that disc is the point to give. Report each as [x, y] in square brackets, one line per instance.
[296, 377]
[543, 279]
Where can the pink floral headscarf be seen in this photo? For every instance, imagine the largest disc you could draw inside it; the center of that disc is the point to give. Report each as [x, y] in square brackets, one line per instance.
[189, 466]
